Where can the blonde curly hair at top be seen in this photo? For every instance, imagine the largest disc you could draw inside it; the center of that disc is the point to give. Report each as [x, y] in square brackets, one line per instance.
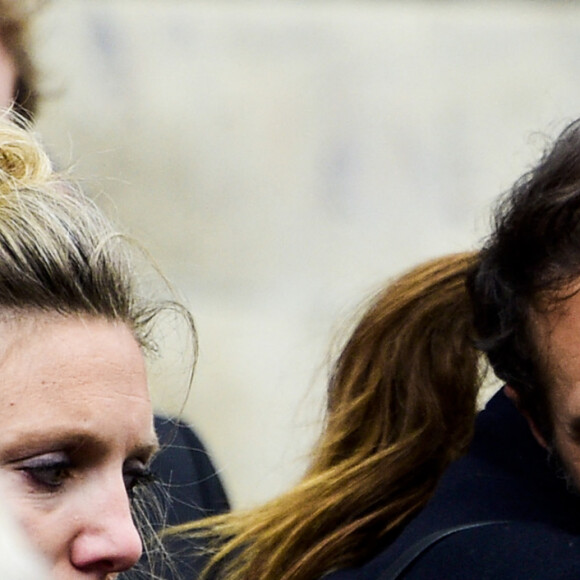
[58, 252]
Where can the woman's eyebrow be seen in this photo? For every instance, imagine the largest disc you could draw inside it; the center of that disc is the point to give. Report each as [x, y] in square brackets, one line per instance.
[75, 439]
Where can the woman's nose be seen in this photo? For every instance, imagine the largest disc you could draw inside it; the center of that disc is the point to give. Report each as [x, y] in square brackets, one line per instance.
[108, 541]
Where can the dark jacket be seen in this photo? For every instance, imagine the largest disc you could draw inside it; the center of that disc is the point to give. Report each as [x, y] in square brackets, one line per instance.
[188, 487]
[506, 475]
[188, 473]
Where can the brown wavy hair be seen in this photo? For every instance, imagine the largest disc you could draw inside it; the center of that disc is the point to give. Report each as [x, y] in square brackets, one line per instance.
[410, 361]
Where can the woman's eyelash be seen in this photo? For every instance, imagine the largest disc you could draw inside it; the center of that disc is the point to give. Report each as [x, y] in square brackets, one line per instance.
[136, 476]
[52, 470]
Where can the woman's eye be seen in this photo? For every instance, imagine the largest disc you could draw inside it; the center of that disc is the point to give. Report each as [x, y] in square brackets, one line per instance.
[136, 473]
[50, 470]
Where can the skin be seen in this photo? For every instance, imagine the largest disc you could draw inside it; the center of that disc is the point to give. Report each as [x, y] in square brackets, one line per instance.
[558, 332]
[77, 433]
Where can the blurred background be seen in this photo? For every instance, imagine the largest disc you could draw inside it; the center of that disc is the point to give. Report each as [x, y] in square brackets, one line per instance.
[281, 160]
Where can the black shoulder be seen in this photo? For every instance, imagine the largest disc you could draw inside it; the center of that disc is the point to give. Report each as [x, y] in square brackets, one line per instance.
[511, 551]
[185, 468]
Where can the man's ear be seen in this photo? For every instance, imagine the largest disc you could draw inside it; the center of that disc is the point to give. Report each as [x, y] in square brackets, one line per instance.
[515, 399]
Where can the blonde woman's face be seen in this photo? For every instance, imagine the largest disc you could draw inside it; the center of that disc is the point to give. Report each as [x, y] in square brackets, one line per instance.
[76, 434]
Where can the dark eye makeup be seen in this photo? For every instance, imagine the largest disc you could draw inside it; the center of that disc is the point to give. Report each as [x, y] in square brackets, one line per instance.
[50, 471]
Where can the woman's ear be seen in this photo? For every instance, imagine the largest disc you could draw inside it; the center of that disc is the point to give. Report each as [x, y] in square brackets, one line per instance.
[514, 397]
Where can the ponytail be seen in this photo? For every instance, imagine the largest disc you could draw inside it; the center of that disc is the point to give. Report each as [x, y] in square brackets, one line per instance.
[401, 407]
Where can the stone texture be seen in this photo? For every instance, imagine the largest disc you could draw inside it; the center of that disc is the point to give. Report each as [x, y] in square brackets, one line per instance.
[281, 160]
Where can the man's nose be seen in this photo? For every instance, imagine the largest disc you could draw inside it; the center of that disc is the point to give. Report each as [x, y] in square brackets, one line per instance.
[107, 540]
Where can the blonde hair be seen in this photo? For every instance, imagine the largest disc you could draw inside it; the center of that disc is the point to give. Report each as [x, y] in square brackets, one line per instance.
[401, 407]
[58, 252]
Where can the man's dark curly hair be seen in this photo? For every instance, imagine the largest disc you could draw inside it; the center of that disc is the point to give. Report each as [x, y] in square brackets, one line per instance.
[528, 264]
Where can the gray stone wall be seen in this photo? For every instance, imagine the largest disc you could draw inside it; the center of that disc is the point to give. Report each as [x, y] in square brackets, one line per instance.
[281, 160]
